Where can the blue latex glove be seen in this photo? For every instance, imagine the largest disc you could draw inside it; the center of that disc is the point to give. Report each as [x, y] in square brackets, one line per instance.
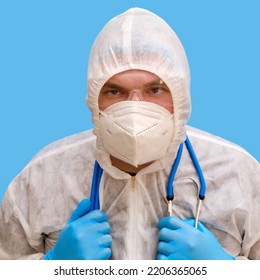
[179, 240]
[85, 237]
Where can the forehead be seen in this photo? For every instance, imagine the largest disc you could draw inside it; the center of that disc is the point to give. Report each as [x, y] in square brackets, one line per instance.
[133, 76]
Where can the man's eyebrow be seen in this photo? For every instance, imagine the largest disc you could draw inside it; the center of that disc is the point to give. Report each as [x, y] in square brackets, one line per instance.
[157, 82]
[111, 85]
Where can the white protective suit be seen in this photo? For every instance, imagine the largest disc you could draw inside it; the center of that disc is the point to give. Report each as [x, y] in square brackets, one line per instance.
[40, 200]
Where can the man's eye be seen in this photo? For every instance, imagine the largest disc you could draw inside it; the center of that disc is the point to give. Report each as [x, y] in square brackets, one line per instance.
[111, 92]
[155, 90]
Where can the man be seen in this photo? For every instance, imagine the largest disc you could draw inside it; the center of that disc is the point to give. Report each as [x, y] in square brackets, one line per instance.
[138, 92]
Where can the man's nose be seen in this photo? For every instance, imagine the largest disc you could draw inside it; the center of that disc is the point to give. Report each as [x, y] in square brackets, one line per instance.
[135, 96]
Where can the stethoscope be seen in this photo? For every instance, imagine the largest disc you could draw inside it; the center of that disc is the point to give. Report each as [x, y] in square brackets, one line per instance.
[97, 174]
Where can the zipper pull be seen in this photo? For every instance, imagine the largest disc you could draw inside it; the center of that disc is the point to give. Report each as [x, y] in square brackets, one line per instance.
[133, 182]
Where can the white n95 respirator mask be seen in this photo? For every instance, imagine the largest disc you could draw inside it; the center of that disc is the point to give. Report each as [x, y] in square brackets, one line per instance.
[136, 132]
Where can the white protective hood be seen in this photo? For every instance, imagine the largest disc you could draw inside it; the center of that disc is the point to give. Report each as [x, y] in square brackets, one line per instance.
[139, 39]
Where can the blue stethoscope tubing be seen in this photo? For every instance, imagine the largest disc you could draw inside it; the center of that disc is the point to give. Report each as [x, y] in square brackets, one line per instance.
[170, 184]
[97, 174]
[94, 196]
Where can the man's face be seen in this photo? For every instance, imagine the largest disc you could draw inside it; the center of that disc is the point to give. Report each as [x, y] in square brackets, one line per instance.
[135, 85]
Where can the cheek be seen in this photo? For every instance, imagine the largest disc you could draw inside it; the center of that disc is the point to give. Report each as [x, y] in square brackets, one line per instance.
[102, 103]
[168, 104]
[169, 108]
[101, 107]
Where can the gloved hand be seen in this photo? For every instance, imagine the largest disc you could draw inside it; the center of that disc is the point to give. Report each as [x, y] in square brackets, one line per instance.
[179, 240]
[85, 237]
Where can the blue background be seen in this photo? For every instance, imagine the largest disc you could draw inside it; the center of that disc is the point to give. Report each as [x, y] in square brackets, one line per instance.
[44, 47]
